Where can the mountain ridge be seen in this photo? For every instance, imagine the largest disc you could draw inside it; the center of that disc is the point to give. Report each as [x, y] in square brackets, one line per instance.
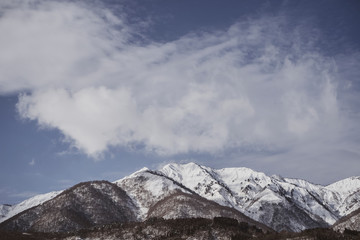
[84, 205]
[322, 204]
[280, 203]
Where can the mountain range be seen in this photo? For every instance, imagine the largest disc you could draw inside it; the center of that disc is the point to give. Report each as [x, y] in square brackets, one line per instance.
[191, 191]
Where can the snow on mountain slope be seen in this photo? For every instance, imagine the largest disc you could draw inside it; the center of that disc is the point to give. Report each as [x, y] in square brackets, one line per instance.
[4, 210]
[348, 193]
[29, 203]
[184, 205]
[280, 203]
[84, 205]
[327, 196]
[350, 204]
[202, 180]
[249, 191]
[146, 188]
[259, 190]
[346, 186]
[310, 201]
[350, 222]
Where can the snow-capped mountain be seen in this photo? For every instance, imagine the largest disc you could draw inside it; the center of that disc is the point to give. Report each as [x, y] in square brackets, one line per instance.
[81, 206]
[7, 211]
[280, 203]
[270, 199]
[147, 187]
[185, 205]
[348, 193]
[157, 195]
[96, 203]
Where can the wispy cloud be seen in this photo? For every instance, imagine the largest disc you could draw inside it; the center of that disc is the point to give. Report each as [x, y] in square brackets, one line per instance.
[258, 85]
[32, 162]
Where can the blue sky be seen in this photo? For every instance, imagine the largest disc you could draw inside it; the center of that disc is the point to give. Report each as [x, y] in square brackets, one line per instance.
[98, 89]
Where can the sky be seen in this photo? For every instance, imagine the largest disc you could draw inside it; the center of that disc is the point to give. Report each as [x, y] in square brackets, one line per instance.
[98, 89]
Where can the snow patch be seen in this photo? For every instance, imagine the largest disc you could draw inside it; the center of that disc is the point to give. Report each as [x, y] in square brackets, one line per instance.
[29, 203]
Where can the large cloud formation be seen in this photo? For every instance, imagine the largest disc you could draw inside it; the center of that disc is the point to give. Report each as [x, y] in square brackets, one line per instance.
[83, 70]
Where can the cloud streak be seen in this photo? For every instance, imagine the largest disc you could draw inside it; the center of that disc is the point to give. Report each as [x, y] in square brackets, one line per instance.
[257, 85]
[32, 162]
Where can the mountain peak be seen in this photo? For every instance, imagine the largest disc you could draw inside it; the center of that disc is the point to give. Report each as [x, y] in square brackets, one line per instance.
[346, 186]
[281, 203]
[176, 166]
[140, 171]
[84, 205]
[26, 204]
[249, 191]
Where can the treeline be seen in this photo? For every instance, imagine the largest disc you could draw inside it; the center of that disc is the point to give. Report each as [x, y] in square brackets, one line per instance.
[158, 228]
[314, 234]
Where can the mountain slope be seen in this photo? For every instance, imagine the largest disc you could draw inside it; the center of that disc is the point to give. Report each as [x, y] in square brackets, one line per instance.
[350, 222]
[147, 187]
[280, 203]
[8, 211]
[158, 195]
[283, 204]
[184, 205]
[348, 193]
[84, 205]
[96, 203]
[4, 211]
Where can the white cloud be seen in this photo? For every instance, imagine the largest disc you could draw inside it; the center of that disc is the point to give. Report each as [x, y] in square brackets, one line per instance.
[32, 162]
[255, 84]
[48, 43]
